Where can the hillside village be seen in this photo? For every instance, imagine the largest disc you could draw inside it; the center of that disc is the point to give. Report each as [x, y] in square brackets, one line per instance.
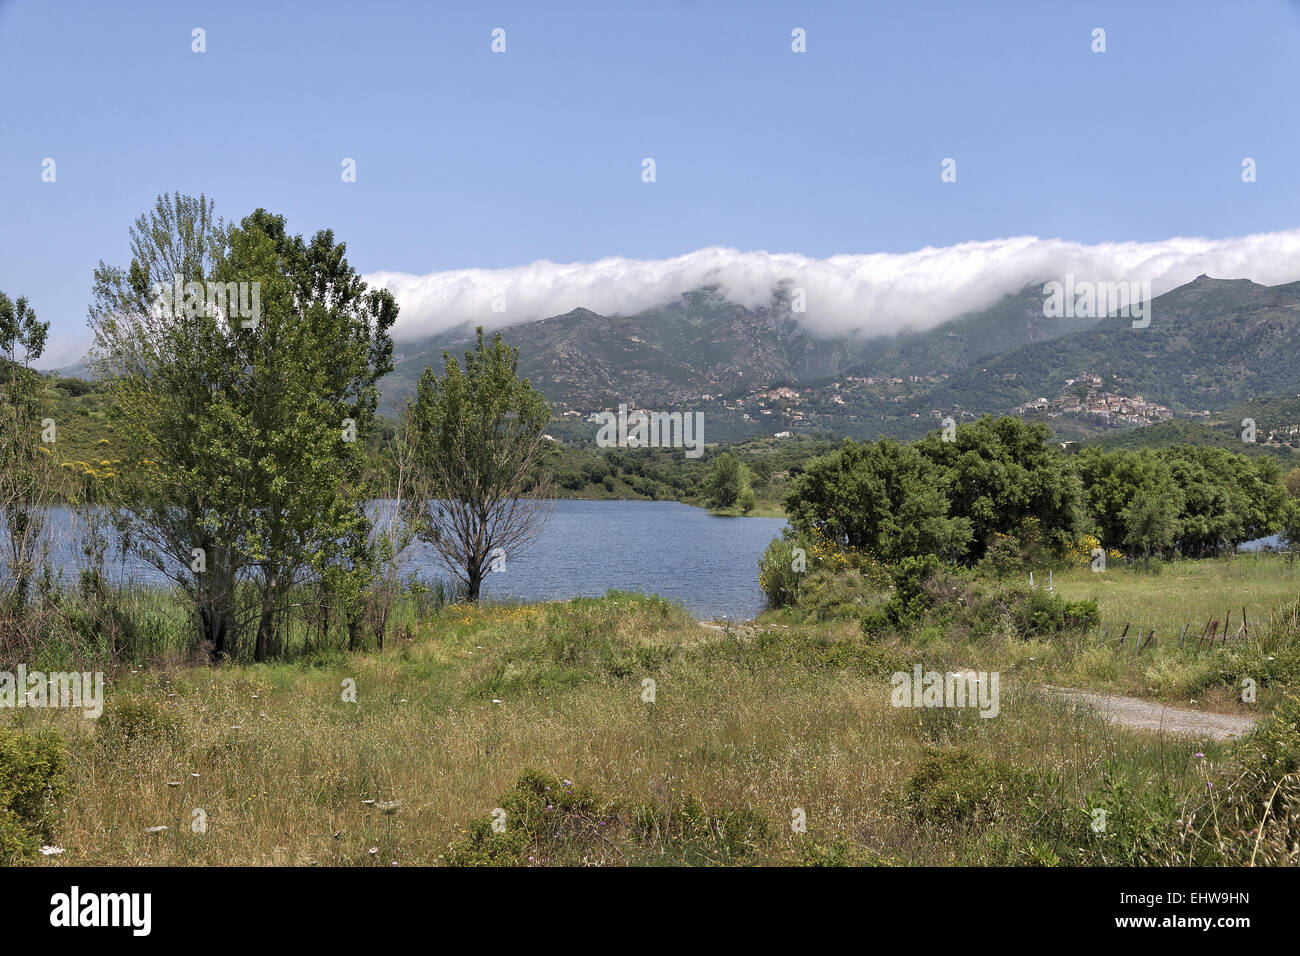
[781, 411]
[1084, 396]
[858, 405]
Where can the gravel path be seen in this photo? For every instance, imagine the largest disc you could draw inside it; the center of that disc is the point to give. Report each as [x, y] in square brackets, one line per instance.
[1125, 711]
[1161, 718]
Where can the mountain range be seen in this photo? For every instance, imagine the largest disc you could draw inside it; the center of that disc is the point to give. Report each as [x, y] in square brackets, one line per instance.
[1211, 344]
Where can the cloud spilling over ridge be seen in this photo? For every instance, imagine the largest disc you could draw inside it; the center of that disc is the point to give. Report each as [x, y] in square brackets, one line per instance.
[879, 293]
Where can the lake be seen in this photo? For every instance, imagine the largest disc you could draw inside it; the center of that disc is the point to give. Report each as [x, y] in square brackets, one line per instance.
[707, 562]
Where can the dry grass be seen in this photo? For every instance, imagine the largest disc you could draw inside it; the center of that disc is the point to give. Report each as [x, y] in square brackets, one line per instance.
[283, 767]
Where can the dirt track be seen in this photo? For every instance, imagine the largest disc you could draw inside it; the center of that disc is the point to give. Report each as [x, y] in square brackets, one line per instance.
[1124, 711]
[1159, 718]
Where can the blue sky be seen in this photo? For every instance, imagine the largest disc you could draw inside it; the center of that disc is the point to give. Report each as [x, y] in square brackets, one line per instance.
[469, 159]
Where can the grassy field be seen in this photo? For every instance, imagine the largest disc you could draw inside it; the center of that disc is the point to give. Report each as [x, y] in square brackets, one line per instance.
[748, 730]
[1186, 593]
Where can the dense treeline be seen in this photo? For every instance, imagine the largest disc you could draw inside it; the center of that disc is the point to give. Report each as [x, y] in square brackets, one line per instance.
[1000, 479]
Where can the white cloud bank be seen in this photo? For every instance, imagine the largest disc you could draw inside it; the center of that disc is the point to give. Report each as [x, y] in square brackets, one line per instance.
[878, 293]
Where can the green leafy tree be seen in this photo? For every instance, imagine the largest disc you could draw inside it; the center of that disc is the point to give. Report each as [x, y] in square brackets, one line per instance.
[25, 461]
[478, 496]
[312, 362]
[242, 431]
[1223, 498]
[174, 377]
[880, 497]
[1151, 517]
[1292, 482]
[999, 473]
[726, 481]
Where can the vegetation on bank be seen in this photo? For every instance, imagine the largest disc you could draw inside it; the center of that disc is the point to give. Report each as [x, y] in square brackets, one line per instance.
[757, 745]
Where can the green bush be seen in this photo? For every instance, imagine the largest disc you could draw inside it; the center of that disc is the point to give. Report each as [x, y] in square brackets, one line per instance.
[1041, 614]
[1138, 825]
[827, 595]
[132, 721]
[1027, 613]
[699, 835]
[960, 786]
[33, 782]
[781, 574]
[553, 821]
[482, 846]
[550, 821]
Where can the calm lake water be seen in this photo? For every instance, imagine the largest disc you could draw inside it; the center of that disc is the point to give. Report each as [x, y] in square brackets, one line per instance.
[708, 563]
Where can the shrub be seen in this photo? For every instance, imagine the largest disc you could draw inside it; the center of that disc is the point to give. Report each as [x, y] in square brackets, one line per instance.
[33, 782]
[700, 835]
[959, 786]
[827, 595]
[1140, 823]
[549, 821]
[781, 572]
[746, 501]
[1003, 557]
[138, 720]
[1039, 614]
[1028, 614]
[482, 846]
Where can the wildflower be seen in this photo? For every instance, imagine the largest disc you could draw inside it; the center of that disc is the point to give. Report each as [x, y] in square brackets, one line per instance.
[1199, 756]
[52, 850]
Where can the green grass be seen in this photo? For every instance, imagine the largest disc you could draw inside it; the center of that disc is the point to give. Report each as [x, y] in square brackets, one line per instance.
[1191, 593]
[747, 726]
